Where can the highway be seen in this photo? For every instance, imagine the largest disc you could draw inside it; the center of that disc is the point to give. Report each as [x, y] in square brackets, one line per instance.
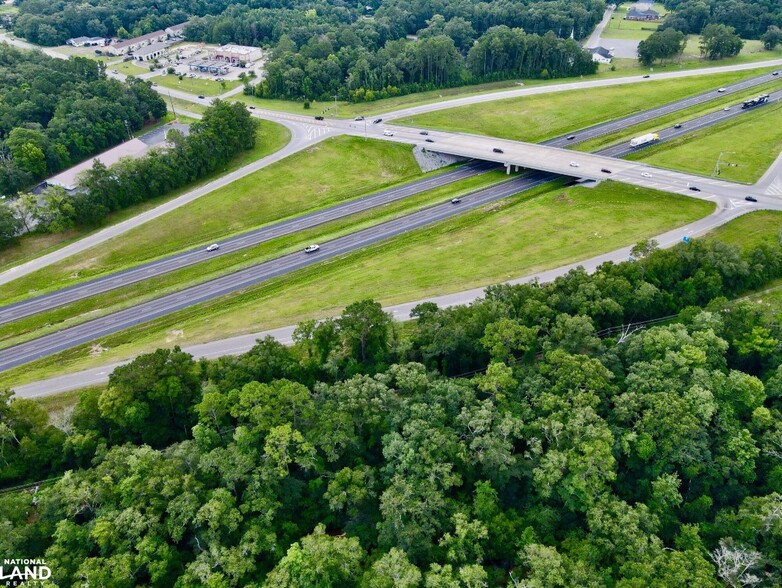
[147, 311]
[181, 260]
[158, 267]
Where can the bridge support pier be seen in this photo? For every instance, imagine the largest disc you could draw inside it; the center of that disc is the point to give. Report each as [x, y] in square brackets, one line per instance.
[507, 168]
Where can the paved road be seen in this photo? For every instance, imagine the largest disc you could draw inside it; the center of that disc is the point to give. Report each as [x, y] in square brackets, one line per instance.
[594, 38]
[184, 259]
[305, 133]
[243, 343]
[71, 294]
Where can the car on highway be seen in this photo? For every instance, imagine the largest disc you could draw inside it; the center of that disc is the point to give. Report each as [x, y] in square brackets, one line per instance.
[721, 90]
[377, 121]
[571, 137]
[498, 150]
[726, 108]
[605, 170]
[318, 118]
[455, 200]
[201, 96]
[646, 174]
[430, 140]
[423, 133]
[774, 73]
[311, 248]
[251, 107]
[388, 133]
[213, 247]
[646, 76]
[359, 118]
[677, 126]
[573, 164]
[750, 199]
[694, 188]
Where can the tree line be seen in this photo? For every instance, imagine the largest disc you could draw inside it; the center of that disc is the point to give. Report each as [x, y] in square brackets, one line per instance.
[55, 113]
[750, 19]
[225, 130]
[515, 441]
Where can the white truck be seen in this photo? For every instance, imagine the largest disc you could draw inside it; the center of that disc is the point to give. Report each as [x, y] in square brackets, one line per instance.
[644, 139]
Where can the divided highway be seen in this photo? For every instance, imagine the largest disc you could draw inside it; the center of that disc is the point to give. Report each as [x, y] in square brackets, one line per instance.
[147, 311]
[178, 261]
[91, 330]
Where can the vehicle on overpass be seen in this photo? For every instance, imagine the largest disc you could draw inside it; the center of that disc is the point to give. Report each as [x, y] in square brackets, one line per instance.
[644, 140]
[762, 99]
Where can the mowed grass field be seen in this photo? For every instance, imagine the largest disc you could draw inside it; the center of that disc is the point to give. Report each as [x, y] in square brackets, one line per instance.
[535, 118]
[271, 137]
[536, 230]
[749, 145]
[329, 172]
[619, 28]
[195, 85]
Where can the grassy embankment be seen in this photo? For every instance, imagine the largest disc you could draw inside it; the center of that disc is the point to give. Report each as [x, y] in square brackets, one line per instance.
[534, 118]
[271, 137]
[533, 231]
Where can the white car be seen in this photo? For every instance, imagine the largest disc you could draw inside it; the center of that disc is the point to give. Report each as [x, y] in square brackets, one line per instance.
[726, 108]
[213, 247]
[388, 133]
[646, 174]
[721, 90]
[311, 248]
[573, 164]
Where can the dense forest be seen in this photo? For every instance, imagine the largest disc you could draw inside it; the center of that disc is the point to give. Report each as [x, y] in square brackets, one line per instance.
[225, 130]
[524, 440]
[55, 113]
[750, 18]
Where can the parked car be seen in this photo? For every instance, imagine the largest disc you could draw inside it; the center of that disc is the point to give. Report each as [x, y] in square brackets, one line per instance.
[311, 248]
[213, 247]
[750, 199]
[498, 150]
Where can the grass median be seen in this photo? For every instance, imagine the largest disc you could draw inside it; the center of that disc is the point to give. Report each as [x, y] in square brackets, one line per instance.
[745, 146]
[322, 175]
[539, 117]
[536, 230]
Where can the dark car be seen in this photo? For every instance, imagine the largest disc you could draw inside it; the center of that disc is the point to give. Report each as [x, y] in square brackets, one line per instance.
[201, 96]
[750, 199]
[377, 121]
[424, 133]
[694, 188]
[318, 118]
[571, 137]
[498, 150]
[774, 73]
[359, 118]
[605, 170]
[646, 76]
[251, 107]
[677, 126]
[430, 140]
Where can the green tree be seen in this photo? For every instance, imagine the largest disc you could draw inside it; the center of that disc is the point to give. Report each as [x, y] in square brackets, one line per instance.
[719, 41]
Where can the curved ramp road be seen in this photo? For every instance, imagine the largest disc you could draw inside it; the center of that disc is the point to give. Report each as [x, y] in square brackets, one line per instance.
[162, 266]
[67, 338]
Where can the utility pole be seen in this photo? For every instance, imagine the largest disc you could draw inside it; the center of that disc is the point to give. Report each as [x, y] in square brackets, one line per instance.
[171, 100]
[336, 107]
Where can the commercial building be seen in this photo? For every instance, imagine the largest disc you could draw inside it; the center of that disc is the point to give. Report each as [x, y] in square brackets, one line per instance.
[236, 53]
[86, 41]
[131, 45]
[150, 52]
